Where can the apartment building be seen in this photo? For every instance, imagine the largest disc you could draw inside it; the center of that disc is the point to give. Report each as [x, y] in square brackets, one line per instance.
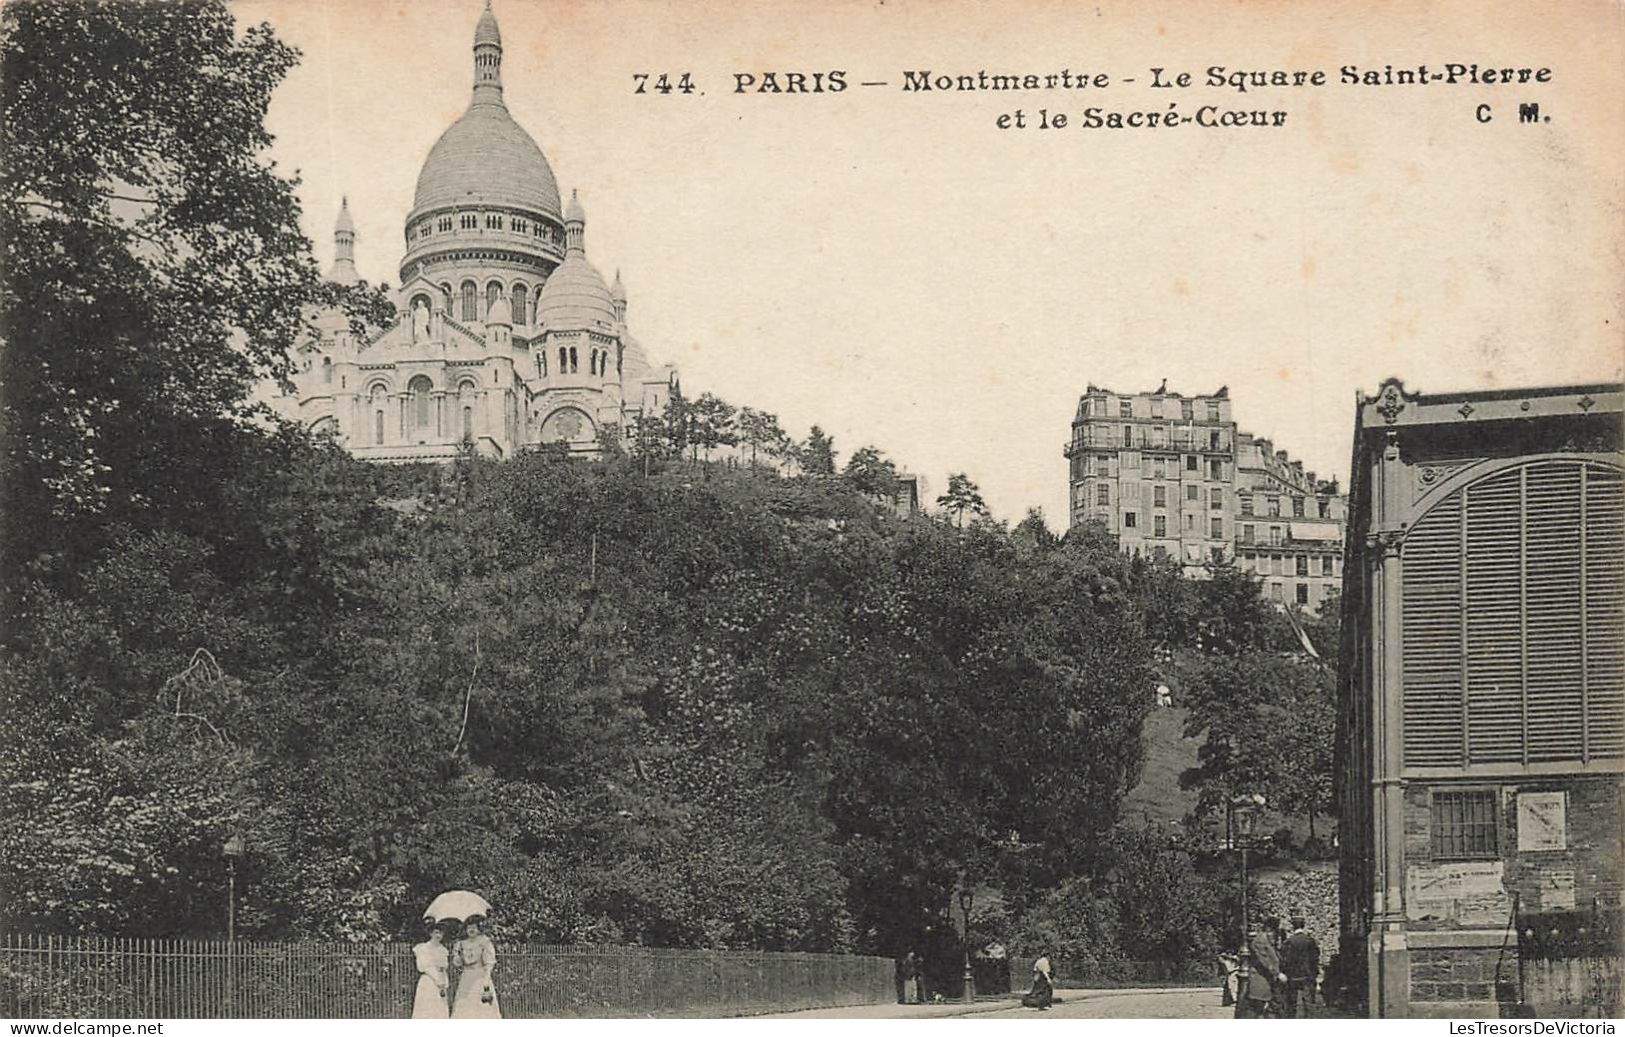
[1172, 476]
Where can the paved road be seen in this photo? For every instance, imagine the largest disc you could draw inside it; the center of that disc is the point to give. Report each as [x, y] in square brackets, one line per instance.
[1127, 1004]
[1075, 1004]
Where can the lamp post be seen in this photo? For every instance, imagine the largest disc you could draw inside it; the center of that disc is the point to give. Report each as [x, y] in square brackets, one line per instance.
[1244, 811]
[965, 896]
[235, 847]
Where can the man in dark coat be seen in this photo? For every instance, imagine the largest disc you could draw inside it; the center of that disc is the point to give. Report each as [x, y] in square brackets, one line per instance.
[1300, 960]
[1264, 977]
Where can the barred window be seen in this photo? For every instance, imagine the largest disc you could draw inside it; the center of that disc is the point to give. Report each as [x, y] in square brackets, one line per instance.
[1463, 824]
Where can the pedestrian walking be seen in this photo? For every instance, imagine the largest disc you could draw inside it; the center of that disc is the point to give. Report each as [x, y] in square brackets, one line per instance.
[913, 988]
[1264, 978]
[1300, 961]
[1042, 992]
[476, 958]
[429, 1002]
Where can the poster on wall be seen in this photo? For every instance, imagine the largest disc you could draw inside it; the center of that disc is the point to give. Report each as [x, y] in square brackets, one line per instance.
[1542, 821]
[1469, 892]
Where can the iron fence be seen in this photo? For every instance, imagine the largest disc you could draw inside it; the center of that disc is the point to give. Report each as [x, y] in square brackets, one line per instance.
[94, 977]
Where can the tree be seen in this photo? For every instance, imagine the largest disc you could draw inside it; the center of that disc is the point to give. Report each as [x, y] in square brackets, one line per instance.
[761, 432]
[154, 270]
[711, 424]
[871, 473]
[817, 455]
[1268, 724]
[962, 496]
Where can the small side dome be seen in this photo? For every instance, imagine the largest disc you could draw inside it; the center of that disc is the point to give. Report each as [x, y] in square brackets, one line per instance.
[575, 298]
[500, 313]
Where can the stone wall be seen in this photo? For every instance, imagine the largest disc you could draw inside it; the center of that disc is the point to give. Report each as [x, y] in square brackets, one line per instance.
[1308, 887]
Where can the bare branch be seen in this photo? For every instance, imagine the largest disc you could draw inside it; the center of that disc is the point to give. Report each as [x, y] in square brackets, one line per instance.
[469, 697]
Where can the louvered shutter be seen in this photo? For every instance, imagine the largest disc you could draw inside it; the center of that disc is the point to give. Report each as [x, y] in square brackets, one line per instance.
[1514, 619]
[1605, 611]
[1433, 670]
[1554, 674]
[1494, 652]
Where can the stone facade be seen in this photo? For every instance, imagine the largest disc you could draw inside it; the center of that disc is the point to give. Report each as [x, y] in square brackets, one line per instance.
[508, 337]
[1172, 476]
[1481, 739]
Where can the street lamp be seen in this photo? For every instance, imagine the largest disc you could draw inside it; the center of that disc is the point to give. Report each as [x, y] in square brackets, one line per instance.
[965, 896]
[1244, 813]
[234, 848]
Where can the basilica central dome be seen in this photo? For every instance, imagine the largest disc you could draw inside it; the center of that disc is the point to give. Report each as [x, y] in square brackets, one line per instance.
[486, 199]
[486, 158]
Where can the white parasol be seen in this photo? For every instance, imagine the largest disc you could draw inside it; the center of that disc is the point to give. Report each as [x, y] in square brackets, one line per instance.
[457, 905]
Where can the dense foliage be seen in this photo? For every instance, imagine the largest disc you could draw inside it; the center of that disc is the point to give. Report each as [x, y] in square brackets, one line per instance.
[738, 711]
[647, 699]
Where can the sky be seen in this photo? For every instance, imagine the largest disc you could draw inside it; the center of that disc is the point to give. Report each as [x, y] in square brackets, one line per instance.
[896, 268]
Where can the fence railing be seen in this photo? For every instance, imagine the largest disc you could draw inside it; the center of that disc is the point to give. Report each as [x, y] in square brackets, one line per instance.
[92, 977]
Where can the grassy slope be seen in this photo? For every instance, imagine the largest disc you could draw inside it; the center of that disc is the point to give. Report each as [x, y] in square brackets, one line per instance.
[1167, 752]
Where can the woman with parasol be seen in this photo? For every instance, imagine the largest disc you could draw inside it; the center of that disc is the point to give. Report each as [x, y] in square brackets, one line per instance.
[474, 955]
[433, 976]
[476, 996]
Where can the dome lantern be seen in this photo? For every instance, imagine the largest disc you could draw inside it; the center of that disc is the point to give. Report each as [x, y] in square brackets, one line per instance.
[617, 295]
[343, 269]
[487, 59]
[575, 225]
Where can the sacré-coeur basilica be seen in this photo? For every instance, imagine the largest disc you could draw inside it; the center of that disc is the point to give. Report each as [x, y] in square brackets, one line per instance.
[507, 336]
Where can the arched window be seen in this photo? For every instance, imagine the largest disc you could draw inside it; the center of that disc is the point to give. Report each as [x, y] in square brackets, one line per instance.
[327, 370]
[541, 365]
[445, 292]
[564, 360]
[493, 292]
[572, 360]
[592, 362]
[378, 428]
[469, 292]
[520, 300]
[420, 389]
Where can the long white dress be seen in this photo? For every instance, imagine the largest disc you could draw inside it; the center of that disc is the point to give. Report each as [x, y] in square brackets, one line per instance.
[476, 996]
[430, 1000]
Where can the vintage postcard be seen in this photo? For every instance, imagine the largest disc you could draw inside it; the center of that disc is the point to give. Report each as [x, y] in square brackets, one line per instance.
[867, 509]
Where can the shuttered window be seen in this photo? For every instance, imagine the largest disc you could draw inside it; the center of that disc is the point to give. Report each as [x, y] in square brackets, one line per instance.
[1514, 620]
